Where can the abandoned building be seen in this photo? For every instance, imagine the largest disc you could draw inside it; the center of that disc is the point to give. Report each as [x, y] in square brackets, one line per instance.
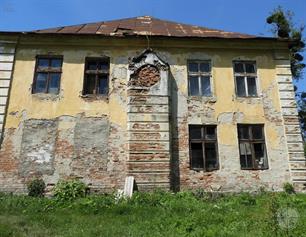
[175, 106]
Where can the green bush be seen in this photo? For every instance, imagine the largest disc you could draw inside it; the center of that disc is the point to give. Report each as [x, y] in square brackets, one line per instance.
[36, 188]
[69, 190]
[288, 188]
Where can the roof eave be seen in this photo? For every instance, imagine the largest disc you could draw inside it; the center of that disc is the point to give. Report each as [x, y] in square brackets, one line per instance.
[20, 33]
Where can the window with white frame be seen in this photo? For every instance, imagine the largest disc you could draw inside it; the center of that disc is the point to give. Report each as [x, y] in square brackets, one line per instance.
[199, 78]
[245, 78]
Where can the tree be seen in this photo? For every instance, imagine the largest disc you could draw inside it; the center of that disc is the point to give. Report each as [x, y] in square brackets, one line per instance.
[284, 28]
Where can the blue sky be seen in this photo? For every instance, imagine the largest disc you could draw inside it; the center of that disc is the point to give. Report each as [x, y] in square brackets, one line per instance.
[231, 15]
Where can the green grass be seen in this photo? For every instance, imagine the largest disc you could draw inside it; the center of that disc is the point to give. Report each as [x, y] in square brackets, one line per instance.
[152, 214]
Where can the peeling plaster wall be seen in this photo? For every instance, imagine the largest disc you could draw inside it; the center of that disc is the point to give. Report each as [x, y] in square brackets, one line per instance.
[225, 110]
[88, 139]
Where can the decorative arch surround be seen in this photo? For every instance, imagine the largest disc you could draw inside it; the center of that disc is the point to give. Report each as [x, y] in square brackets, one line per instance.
[148, 122]
[147, 70]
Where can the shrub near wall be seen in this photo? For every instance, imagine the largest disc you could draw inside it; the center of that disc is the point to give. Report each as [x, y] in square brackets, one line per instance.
[36, 188]
[70, 190]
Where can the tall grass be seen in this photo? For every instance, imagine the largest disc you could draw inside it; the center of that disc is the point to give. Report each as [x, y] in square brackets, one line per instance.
[152, 214]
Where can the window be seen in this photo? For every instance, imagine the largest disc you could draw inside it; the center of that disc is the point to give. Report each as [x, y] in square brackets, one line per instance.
[96, 76]
[252, 147]
[203, 147]
[199, 74]
[245, 77]
[48, 72]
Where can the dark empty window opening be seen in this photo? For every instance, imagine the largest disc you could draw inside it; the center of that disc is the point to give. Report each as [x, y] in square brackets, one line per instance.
[245, 79]
[96, 76]
[203, 147]
[252, 147]
[48, 72]
[199, 74]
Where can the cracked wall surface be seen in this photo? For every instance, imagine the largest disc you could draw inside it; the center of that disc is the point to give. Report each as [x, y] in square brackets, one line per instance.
[68, 136]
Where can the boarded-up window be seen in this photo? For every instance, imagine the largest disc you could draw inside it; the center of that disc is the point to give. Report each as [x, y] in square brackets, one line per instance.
[245, 79]
[47, 74]
[203, 147]
[96, 76]
[252, 147]
[199, 74]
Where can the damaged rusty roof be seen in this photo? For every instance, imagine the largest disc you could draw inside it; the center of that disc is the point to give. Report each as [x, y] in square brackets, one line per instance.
[142, 26]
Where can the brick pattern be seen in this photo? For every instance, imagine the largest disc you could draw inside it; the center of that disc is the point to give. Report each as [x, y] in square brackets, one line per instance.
[297, 159]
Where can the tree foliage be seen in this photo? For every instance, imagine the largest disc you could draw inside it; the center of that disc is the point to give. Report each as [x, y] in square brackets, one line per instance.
[284, 28]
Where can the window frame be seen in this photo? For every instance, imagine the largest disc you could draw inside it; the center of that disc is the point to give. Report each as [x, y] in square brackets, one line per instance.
[204, 141]
[97, 73]
[253, 141]
[200, 74]
[49, 70]
[245, 76]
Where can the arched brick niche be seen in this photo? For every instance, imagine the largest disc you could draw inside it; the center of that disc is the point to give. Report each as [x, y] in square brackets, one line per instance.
[146, 76]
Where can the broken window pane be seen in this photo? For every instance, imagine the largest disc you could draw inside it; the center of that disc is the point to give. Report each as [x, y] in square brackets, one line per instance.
[194, 85]
[205, 67]
[252, 150]
[56, 63]
[103, 85]
[43, 62]
[210, 132]
[205, 86]
[250, 68]
[257, 132]
[197, 161]
[193, 67]
[238, 67]
[54, 83]
[89, 84]
[210, 156]
[251, 86]
[195, 132]
[240, 86]
[41, 82]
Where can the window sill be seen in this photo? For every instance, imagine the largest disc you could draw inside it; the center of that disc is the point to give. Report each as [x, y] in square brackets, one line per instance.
[211, 99]
[249, 99]
[95, 97]
[253, 169]
[204, 171]
[46, 96]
